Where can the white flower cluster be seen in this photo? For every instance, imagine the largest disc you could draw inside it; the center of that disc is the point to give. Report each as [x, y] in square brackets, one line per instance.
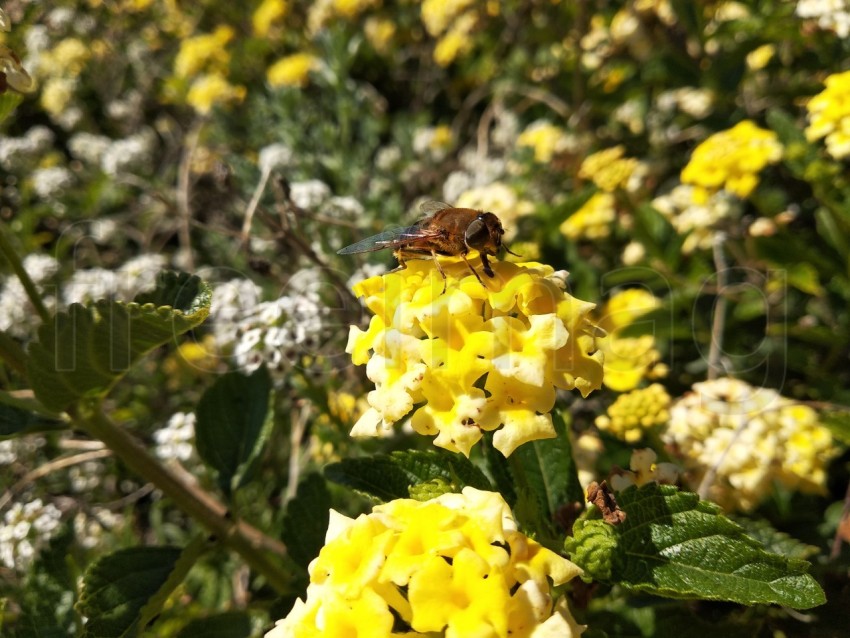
[279, 333]
[831, 15]
[174, 441]
[694, 219]
[26, 528]
[747, 438]
[16, 152]
[16, 311]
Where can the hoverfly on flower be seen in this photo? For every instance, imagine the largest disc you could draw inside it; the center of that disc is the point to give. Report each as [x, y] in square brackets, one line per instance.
[446, 231]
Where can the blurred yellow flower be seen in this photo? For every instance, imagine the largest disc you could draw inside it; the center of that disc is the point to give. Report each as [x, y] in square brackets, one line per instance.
[829, 115]
[322, 12]
[475, 358]
[593, 220]
[748, 437]
[760, 57]
[269, 13]
[204, 53]
[210, 90]
[608, 169]
[636, 411]
[437, 15]
[66, 60]
[731, 160]
[693, 214]
[455, 564]
[628, 360]
[293, 70]
[56, 94]
[457, 41]
[545, 138]
[379, 32]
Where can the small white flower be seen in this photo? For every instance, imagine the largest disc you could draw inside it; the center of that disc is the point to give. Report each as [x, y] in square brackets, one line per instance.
[275, 156]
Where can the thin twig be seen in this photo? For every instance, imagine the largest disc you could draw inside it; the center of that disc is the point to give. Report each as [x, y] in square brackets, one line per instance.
[719, 320]
[296, 433]
[184, 194]
[252, 206]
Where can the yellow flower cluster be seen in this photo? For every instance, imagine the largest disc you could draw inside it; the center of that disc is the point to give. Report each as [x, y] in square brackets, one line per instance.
[628, 360]
[593, 220]
[636, 411]
[204, 60]
[477, 357]
[829, 115]
[748, 437]
[545, 138]
[731, 160]
[645, 470]
[454, 564]
[267, 14]
[292, 70]
[609, 170]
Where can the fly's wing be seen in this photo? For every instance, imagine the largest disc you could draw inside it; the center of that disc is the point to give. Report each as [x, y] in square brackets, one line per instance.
[393, 238]
[431, 206]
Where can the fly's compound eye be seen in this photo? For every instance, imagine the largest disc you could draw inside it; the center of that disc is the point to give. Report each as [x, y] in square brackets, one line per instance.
[477, 234]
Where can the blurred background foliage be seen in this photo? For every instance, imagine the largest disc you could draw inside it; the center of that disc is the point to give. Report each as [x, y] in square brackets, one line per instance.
[248, 142]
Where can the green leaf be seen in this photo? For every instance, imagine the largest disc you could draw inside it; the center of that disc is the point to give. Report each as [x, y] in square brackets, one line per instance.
[233, 624]
[47, 601]
[547, 468]
[306, 520]
[117, 587]
[775, 541]
[8, 103]
[180, 290]
[672, 544]
[231, 416]
[388, 477]
[804, 277]
[83, 352]
[14, 420]
[838, 423]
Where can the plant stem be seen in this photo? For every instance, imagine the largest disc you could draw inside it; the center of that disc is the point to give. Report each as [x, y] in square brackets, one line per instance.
[719, 320]
[249, 542]
[18, 266]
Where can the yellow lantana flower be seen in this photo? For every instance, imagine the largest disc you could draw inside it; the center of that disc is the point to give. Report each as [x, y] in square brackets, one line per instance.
[608, 169]
[545, 138]
[635, 412]
[457, 41]
[204, 52]
[438, 15]
[628, 360]
[593, 220]
[732, 159]
[455, 564]
[292, 70]
[212, 89]
[829, 115]
[748, 437]
[479, 357]
[267, 15]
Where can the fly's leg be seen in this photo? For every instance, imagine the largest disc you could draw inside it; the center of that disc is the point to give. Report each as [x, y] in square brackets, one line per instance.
[487, 268]
[477, 276]
[401, 263]
[440, 268]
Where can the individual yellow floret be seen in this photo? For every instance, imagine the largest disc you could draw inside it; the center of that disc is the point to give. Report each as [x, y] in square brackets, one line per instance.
[455, 564]
[477, 357]
[744, 439]
[732, 160]
[635, 412]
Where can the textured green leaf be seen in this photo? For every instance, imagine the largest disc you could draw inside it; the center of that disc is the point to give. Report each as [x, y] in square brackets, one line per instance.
[306, 520]
[388, 477]
[775, 541]
[232, 624]
[231, 416]
[672, 544]
[179, 290]
[549, 471]
[14, 420]
[84, 351]
[9, 100]
[117, 587]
